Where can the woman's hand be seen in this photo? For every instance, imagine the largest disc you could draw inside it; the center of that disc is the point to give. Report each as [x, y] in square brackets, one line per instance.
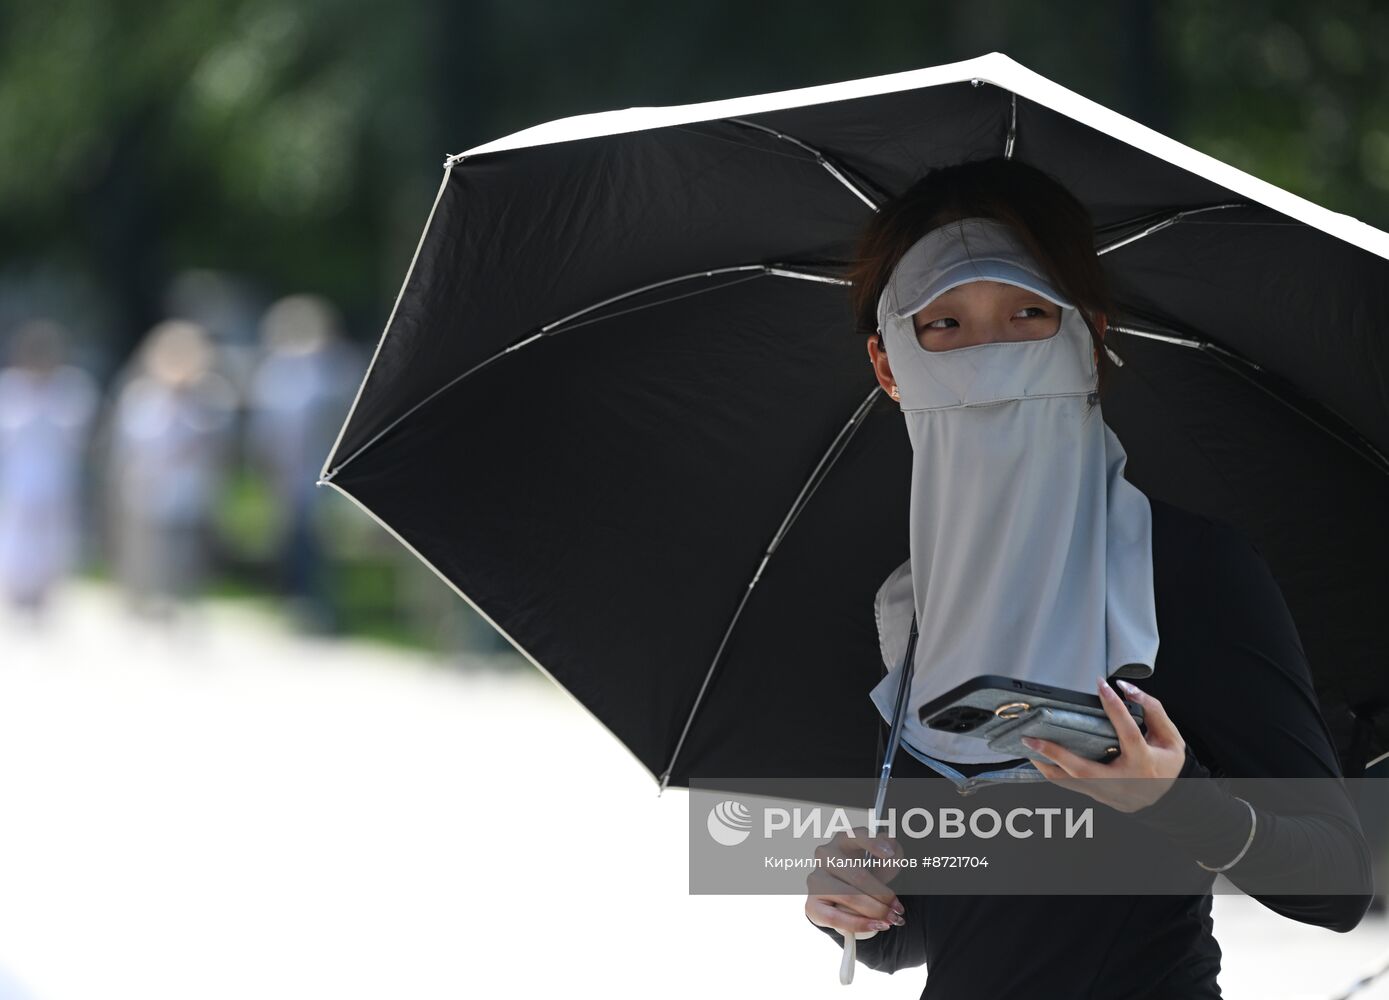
[854, 901]
[1160, 756]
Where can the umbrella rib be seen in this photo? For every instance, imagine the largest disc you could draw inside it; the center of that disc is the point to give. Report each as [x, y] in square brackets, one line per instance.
[817, 476]
[772, 269]
[549, 329]
[1012, 124]
[1163, 223]
[1351, 438]
[1233, 361]
[820, 158]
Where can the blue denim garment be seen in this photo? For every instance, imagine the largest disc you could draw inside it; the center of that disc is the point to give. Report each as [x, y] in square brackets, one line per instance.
[1025, 771]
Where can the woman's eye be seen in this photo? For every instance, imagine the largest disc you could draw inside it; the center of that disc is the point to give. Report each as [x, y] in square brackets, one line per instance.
[1040, 312]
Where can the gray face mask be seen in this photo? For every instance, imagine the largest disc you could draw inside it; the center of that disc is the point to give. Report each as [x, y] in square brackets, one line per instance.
[1030, 553]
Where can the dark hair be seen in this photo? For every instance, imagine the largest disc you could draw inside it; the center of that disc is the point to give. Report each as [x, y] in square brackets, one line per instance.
[1051, 222]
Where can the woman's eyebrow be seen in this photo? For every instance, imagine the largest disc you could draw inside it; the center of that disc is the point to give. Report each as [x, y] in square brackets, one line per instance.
[1018, 292]
[1015, 293]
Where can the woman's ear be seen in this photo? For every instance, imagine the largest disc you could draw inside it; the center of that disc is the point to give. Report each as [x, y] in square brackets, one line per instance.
[877, 354]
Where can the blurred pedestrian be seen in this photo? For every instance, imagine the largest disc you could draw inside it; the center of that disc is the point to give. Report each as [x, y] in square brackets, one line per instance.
[299, 392]
[172, 426]
[46, 409]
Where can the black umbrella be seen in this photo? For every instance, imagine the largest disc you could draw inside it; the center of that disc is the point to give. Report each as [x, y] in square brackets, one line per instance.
[620, 407]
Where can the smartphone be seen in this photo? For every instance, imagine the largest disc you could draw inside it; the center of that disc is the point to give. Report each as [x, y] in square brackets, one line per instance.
[1001, 710]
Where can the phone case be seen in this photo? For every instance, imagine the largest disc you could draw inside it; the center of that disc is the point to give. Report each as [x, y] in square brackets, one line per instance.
[1080, 732]
[975, 713]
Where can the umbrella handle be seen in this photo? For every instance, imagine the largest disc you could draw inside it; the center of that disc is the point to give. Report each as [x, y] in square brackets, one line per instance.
[850, 956]
[846, 964]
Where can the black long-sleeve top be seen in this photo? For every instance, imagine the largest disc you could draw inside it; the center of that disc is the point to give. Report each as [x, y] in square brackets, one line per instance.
[1234, 679]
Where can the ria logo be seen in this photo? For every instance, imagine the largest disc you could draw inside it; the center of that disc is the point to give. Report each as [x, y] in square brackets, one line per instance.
[730, 822]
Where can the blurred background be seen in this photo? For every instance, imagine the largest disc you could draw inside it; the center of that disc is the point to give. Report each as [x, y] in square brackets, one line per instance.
[206, 210]
[259, 172]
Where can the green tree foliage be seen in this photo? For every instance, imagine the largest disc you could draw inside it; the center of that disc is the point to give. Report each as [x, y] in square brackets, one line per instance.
[299, 142]
[1291, 92]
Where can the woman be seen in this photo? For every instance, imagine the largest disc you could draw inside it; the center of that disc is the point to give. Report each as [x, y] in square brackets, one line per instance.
[1029, 547]
[46, 410]
[170, 438]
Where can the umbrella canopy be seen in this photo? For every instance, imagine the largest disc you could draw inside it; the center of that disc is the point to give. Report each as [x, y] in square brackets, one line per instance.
[621, 409]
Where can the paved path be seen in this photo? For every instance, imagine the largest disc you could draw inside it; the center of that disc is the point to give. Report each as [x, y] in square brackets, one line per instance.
[234, 812]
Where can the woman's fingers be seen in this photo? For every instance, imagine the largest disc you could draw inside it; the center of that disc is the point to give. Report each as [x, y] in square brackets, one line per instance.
[869, 879]
[826, 878]
[883, 847]
[853, 900]
[1125, 726]
[1162, 731]
[1066, 762]
[1159, 755]
[857, 904]
[822, 911]
[853, 889]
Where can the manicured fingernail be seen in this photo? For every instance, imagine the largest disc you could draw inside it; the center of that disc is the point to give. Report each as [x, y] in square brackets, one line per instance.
[898, 919]
[881, 925]
[1128, 687]
[898, 907]
[1104, 686]
[1030, 743]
